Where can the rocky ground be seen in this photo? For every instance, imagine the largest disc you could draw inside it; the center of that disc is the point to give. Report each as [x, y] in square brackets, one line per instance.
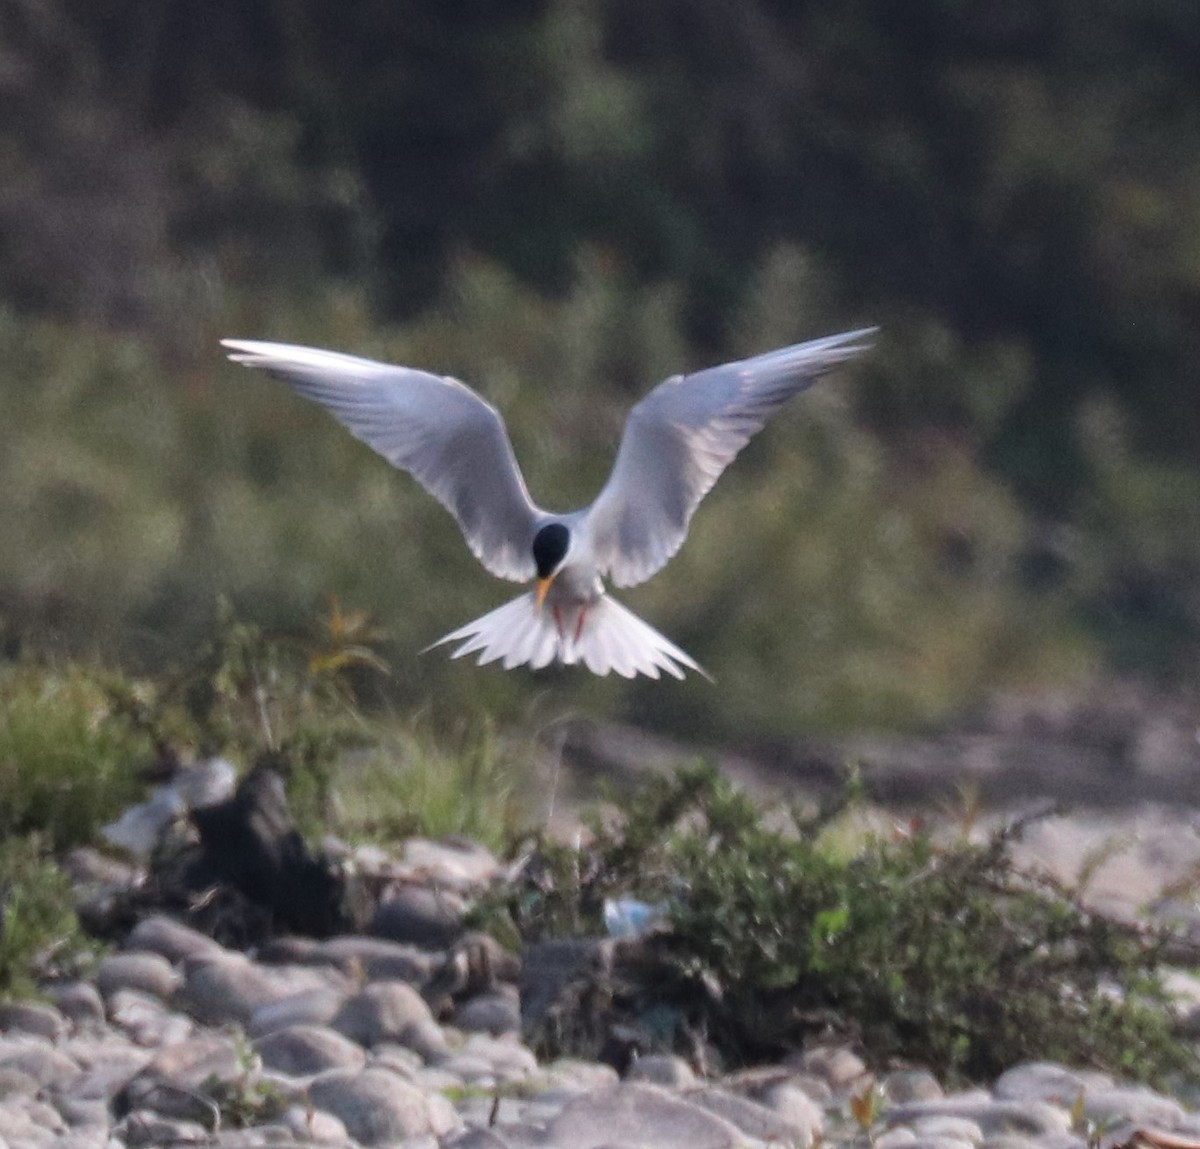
[414, 1033]
[413, 1036]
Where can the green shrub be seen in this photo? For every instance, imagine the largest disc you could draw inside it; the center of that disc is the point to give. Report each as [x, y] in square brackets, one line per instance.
[68, 756]
[38, 927]
[940, 954]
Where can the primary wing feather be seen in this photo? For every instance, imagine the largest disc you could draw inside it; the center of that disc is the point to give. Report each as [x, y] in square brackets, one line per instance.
[436, 428]
[680, 438]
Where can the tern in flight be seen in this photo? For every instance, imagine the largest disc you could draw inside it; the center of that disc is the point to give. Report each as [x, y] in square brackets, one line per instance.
[676, 443]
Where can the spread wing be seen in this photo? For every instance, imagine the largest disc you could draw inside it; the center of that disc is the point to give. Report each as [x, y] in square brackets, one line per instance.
[451, 441]
[680, 438]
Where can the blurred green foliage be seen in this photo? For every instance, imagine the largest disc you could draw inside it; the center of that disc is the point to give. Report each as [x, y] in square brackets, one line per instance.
[564, 201]
[68, 754]
[39, 932]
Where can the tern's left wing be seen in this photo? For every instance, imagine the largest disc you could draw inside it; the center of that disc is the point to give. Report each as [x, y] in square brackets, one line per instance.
[434, 427]
[680, 438]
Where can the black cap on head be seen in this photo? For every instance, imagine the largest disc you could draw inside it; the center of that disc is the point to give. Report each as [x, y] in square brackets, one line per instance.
[550, 548]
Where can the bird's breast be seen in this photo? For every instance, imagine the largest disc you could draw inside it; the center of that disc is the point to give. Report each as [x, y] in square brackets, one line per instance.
[574, 586]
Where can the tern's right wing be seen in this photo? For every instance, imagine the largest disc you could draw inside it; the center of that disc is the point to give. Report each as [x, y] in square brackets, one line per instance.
[436, 428]
[680, 438]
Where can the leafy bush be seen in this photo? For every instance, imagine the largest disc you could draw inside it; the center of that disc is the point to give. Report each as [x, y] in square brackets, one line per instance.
[38, 927]
[942, 954]
[68, 755]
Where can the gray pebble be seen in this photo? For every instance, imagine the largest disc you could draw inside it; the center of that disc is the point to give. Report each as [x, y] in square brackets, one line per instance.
[1046, 1081]
[793, 1104]
[233, 987]
[173, 940]
[842, 1069]
[146, 1020]
[383, 1011]
[1136, 1104]
[663, 1069]
[141, 970]
[305, 1049]
[638, 1116]
[378, 958]
[80, 1002]
[496, 1012]
[757, 1120]
[83, 1112]
[948, 1125]
[143, 1128]
[1031, 1118]
[1011, 1141]
[33, 1018]
[896, 1138]
[308, 1007]
[904, 1085]
[378, 1108]
[431, 919]
[314, 1125]
[933, 1142]
[45, 1064]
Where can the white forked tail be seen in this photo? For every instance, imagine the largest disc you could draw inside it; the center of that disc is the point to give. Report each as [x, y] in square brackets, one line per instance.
[606, 637]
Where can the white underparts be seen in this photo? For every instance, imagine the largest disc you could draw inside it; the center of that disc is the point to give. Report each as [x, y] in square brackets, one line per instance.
[602, 635]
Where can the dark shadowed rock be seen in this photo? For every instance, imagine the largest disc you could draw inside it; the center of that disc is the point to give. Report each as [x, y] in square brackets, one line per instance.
[376, 959]
[176, 1082]
[494, 1013]
[388, 1011]
[233, 988]
[251, 843]
[549, 967]
[308, 1007]
[304, 1049]
[32, 1017]
[142, 970]
[175, 941]
[80, 1002]
[431, 919]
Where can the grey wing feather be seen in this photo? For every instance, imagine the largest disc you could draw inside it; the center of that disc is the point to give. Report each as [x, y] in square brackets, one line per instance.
[681, 437]
[437, 429]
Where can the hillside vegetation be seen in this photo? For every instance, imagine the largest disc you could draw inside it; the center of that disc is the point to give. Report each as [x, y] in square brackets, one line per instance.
[562, 203]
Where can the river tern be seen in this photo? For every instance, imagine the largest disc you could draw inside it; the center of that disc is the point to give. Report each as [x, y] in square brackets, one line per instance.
[677, 442]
